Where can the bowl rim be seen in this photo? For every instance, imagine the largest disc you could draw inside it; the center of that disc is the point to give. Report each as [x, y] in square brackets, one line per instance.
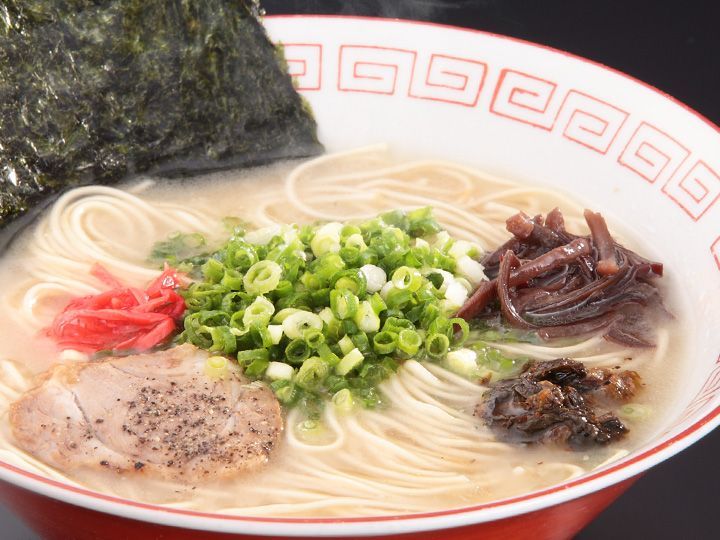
[390, 524]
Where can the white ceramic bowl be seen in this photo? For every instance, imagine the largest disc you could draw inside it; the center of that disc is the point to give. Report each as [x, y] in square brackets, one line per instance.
[523, 111]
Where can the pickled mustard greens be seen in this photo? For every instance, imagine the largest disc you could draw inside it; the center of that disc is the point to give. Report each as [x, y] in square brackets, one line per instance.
[332, 309]
[138, 86]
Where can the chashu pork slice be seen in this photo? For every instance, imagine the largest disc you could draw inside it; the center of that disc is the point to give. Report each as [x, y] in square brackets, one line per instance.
[157, 414]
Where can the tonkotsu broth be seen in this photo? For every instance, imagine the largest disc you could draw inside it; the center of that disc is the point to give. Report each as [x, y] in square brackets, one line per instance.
[426, 451]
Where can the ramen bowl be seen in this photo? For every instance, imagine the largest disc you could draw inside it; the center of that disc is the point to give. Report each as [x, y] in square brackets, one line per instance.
[517, 110]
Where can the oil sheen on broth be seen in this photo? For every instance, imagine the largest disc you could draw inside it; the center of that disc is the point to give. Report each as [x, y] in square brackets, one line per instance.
[426, 450]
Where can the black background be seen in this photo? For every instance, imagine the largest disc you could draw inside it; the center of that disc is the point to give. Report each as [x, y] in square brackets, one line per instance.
[675, 46]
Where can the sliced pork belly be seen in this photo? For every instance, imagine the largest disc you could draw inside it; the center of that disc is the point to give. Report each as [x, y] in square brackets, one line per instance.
[156, 414]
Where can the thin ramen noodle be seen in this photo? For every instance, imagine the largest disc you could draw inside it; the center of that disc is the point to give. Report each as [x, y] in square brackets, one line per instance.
[426, 450]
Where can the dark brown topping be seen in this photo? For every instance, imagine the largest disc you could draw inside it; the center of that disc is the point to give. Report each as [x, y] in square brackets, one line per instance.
[607, 265]
[555, 221]
[560, 284]
[508, 263]
[559, 402]
[527, 271]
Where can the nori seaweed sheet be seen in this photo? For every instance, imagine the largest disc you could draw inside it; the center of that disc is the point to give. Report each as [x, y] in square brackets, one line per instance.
[94, 91]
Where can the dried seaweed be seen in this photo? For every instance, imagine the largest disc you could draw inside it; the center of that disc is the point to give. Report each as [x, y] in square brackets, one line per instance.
[92, 91]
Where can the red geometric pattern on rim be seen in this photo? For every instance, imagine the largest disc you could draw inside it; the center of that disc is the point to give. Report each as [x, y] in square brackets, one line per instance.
[449, 79]
[715, 250]
[696, 192]
[304, 61]
[525, 98]
[376, 70]
[653, 154]
[589, 121]
[709, 391]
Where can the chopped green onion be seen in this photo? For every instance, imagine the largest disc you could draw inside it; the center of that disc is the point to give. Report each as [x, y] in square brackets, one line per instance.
[327, 266]
[259, 312]
[311, 281]
[313, 337]
[234, 301]
[262, 277]
[297, 351]
[279, 371]
[343, 401]
[385, 342]
[312, 373]
[361, 341]
[463, 362]
[326, 315]
[286, 392]
[346, 344]
[326, 354]
[232, 279]
[397, 298]
[350, 255]
[348, 230]
[257, 367]
[461, 331]
[409, 342]
[352, 280]
[284, 288]
[310, 431]
[295, 324]
[421, 222]
[375, 277]
[223, 340]
[369, 256]
[635, 411]
[240, 256]
[343, 303]
[326, 239]
[470, 269]
[395, 324]
[283, 314]
[260, 336]
[216, 367]
[316, 299]
[276, 333]
[349, 362]
[377, 303]
[436, 345]
[407, 278]
[356, 241]
[246, 358]
[213, 270]
[366, 318]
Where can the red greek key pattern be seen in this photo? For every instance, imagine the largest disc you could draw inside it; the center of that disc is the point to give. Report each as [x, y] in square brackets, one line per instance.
[696, 192]
[449, 79]
[589, 121]
[653, 154]
[524, 98]
[706, 395]
[304, 61]
[377, 70]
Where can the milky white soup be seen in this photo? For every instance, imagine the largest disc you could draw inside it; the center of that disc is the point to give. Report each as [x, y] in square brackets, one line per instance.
[425, 449]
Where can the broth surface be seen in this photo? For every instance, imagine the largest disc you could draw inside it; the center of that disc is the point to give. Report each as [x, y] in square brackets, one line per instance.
[367, 463]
